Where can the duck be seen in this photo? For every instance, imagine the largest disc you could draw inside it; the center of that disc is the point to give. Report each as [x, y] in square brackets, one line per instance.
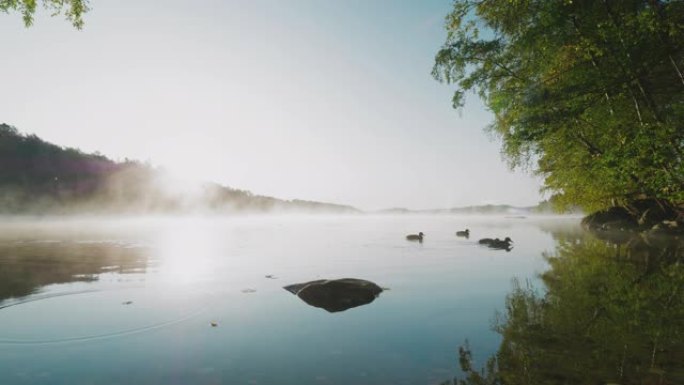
[497, 243]
[415, 237]
[465, 233]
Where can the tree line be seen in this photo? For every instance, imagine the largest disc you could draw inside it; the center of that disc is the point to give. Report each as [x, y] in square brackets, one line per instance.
[40, 177]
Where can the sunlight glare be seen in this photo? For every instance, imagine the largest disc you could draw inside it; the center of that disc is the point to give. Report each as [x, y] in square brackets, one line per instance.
[186, 251]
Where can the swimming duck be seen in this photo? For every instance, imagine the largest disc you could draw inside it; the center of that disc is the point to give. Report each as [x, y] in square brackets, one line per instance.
[465, 233]
[497, 243]
[415, 237]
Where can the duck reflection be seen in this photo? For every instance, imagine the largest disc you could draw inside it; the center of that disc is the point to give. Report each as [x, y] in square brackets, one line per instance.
[612, 312]
[26, 267]
[336, 295]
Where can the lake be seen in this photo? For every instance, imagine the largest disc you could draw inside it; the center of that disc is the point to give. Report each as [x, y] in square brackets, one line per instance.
[132, 301]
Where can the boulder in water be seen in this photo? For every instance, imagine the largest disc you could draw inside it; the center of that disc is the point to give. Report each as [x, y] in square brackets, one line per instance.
[336, 295]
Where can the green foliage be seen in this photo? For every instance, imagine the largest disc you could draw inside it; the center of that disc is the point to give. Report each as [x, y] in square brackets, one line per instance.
[590, 93]
[610, 314]
[73, 10]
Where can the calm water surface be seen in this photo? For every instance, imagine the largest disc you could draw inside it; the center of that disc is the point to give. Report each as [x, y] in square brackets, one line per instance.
[132, 302]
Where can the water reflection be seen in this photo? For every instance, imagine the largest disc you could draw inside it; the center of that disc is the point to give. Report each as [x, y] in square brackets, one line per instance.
[27, 266]
[612, 312]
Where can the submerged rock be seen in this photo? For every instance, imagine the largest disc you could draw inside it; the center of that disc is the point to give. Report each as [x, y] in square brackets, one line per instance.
[616, 237]
[336, 295]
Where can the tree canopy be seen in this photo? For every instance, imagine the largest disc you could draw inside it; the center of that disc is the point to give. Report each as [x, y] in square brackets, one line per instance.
[73, 10]
[588, 93]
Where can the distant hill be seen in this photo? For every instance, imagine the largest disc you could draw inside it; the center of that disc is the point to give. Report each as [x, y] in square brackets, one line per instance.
[38, 177]
[541, 208]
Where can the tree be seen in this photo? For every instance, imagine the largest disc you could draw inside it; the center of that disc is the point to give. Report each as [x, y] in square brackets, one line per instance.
[589, 93]
[73, 10]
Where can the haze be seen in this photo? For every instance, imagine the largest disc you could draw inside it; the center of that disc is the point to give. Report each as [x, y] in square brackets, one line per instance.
[325, 101]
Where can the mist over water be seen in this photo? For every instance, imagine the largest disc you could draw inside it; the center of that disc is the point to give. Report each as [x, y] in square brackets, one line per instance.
[132, 300]
[203, 301]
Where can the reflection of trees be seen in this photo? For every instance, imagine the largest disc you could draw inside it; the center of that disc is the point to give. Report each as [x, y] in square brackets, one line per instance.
[610, 314]
[26, 267]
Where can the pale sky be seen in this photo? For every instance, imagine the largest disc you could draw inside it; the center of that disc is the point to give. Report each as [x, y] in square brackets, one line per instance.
[319, 100]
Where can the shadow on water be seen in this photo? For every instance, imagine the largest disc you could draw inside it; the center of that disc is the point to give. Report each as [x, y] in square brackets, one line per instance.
[612, 311]
[26, 267]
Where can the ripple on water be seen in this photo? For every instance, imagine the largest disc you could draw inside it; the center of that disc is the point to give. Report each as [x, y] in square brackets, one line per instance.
[90, 315]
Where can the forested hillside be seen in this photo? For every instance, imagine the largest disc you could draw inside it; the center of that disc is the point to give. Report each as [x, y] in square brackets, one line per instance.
[40, 177]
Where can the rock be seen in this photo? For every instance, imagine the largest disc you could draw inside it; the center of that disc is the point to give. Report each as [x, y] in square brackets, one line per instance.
[648, 215]
[619, 225]
[615, 237]
[667, 228]
[614, 218]
[654, 215]
[336, 295]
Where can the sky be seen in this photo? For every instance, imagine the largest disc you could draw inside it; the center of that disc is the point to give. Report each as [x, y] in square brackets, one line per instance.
[305, 99]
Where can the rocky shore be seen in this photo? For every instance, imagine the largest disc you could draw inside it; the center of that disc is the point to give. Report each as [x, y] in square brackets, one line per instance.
[646, 216]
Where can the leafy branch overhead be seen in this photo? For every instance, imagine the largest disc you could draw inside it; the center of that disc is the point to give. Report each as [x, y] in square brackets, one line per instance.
[590, 93]
[73, 10]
